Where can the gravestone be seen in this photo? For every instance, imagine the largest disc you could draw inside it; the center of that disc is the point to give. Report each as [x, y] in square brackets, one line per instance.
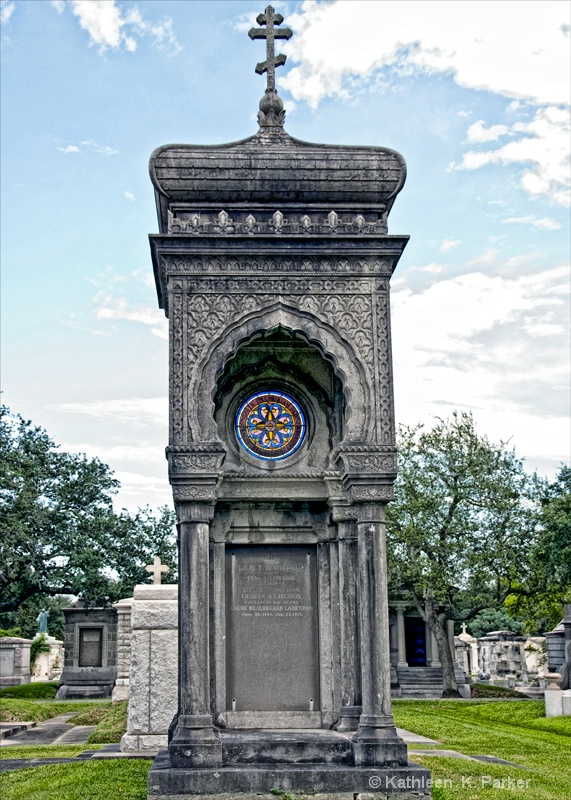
[90, 647]
[273, 264]
[151, 675]
[502, 658]
[14, 661]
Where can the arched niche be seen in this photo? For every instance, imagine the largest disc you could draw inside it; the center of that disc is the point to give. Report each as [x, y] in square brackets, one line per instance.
[347, 365]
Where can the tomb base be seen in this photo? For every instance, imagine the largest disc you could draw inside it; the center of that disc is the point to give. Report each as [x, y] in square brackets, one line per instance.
[338, 781]
[254, 762]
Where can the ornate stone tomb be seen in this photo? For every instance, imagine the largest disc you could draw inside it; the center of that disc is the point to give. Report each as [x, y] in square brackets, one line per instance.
[273, 264]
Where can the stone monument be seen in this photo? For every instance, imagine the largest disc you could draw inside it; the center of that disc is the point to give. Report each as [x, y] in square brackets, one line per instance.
[152, 672]
[90, 646]
[14, 661]
[273, 264]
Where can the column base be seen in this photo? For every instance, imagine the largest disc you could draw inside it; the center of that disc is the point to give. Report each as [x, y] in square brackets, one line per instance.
[377, 743]
[195, 743]
[349, 718]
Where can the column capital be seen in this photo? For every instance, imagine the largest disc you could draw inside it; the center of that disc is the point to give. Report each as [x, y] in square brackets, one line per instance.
[195, 511]
[369, 512]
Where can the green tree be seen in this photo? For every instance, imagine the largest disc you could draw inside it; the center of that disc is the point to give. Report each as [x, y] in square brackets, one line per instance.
[461, 526]
[550, 559]
[59, 534]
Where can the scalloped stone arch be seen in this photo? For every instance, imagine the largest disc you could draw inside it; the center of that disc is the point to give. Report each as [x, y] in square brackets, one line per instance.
[347, 364]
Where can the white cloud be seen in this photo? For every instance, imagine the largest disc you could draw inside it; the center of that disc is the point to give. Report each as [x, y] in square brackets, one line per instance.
[89, 143]
[140, 411]
[7, 8]
[496, 345]
[100, 148]
[477, 132]
[542, 145]
[334, 50]
[111, 308]
[479, 328]
[130, 196]
[333, 42]
[111, 28]
[449, 244]
[545, 222]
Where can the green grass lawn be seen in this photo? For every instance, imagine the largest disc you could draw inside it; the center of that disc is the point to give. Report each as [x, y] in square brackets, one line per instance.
[46, 750]
[515, 731]
[86, 780]
[41, 710]
[28, 691]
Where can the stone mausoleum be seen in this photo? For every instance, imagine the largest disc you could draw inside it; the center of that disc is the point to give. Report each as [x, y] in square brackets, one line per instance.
[273, 265]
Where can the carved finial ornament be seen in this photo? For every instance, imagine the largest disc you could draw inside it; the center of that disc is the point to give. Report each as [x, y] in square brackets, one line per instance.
[272, 112]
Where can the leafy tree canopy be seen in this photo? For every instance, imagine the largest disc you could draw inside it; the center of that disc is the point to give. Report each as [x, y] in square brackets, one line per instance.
[462, 524]
[59, 534]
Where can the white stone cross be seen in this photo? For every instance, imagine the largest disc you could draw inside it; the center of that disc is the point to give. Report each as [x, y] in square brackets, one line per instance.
[157, 568]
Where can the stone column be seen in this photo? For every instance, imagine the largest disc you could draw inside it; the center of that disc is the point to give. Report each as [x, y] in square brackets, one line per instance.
[450, 632]
[195, 741]
[434, 660]
[350, 668]
[401, 639]
[376, 742]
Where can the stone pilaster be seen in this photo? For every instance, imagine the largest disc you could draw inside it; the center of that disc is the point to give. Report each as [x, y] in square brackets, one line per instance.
[121, 688]
[195, 741]
[350, 673]
[401, 638]
[376, 742]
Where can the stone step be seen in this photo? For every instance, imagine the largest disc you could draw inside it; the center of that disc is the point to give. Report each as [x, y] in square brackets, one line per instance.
[286, 747]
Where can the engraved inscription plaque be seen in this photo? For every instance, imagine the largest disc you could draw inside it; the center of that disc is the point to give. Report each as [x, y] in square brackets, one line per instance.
[272, 629]
[7, 662]
[90, 647]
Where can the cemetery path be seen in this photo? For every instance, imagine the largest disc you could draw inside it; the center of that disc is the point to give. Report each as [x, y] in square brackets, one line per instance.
[56, 730]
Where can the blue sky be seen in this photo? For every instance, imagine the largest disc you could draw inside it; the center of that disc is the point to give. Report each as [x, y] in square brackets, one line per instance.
[475, 95]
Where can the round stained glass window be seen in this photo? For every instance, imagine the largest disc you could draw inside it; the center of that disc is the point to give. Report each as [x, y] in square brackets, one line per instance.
[270, 425]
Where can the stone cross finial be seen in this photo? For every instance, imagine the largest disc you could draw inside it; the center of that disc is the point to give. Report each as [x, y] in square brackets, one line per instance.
[270, 19]
[157, 569]
[464, 627]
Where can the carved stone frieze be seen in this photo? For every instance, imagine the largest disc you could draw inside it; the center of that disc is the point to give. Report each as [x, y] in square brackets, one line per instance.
[177, 428]
[194, 265]
[198, 493]
[208, 315]
[363, 493]
[386, 413]
[365, 459]
[295, 222]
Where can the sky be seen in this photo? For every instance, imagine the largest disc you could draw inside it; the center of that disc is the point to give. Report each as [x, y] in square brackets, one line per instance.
[475, 95]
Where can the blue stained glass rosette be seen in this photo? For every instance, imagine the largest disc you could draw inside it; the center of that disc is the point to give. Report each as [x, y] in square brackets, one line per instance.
[270, 425]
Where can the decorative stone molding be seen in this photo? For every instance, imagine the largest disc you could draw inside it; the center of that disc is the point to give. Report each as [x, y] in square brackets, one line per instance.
[298, 222]
[382, 493]
[367, 459]
[194, 458]
[185, 493]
